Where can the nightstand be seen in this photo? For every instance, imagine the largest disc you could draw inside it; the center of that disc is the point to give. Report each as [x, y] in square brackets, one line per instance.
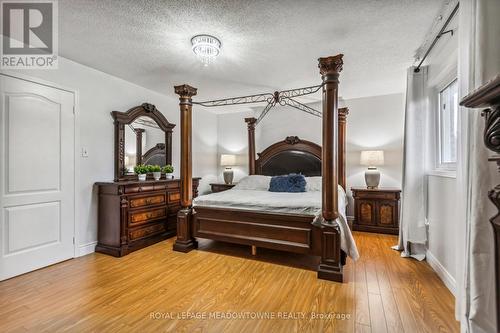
[219, 187]
[376, 210]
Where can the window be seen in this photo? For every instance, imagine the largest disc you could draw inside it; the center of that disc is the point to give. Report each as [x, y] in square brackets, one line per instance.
[448, 121]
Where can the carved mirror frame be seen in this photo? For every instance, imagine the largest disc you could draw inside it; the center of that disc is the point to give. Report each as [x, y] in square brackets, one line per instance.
[121, 119]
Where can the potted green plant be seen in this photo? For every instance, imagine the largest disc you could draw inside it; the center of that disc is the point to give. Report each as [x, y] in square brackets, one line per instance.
[141, 171]
[156, 170]
[168, 170]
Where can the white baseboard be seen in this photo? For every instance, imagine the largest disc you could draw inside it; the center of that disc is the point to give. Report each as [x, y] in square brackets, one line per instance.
[448, 280]
[85, 249]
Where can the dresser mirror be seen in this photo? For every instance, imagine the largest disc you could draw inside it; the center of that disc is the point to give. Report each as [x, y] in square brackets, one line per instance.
[142, 136]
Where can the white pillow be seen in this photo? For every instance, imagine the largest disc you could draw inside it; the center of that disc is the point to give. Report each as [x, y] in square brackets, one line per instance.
[253, 182]
[313, 184]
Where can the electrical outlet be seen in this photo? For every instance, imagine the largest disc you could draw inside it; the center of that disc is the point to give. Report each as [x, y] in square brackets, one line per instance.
[85, 153]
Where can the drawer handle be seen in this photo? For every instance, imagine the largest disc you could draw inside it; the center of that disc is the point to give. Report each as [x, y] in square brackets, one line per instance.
[149, 215]
[149, 201]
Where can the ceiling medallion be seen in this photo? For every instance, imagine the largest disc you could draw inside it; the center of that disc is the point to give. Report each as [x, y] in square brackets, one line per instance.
[206, 48]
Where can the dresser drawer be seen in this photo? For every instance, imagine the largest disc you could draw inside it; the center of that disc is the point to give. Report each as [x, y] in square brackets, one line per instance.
[152, 200]
[141, 217]
[160, 186]
[174, 184]
[375, 195]
[147, 231]
[174, 197]
[173, 210]
[139, 188]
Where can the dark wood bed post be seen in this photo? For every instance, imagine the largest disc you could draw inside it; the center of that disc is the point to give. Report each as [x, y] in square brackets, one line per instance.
[185, 241]
[330, 267]
[343, 112]
[251, 144]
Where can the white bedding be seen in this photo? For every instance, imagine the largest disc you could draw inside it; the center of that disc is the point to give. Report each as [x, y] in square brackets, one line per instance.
[308, 203]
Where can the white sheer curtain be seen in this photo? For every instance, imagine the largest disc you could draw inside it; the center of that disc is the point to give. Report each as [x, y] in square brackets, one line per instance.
[479, 61]
[412, 231]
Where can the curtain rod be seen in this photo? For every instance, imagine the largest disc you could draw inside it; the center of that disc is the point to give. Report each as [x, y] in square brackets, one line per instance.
[437, 37]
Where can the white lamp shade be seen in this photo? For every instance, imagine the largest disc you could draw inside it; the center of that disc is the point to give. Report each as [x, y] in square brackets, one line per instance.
[372, 157]
[227, 160]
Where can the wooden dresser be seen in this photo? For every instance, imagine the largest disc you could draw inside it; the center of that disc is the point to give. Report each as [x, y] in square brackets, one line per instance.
[135, 214]
[376, 210]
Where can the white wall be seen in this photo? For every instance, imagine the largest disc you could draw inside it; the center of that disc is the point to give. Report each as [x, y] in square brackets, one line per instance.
[373, 123]
[233, 139]
[442, 237]
[283, 121]
[99, 94]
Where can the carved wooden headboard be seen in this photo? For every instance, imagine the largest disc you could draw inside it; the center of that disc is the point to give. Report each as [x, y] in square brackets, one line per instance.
[291, 155]
[294, 155]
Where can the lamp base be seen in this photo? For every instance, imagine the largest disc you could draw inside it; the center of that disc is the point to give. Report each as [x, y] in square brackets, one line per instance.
[228, 176]
[372, 178]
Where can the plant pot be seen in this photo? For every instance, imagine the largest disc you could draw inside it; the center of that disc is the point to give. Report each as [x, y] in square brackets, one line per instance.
[169, 175]
[142, 177]
[157, 175]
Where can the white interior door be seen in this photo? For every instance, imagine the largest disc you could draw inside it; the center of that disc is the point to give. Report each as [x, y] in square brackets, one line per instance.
[36, 176]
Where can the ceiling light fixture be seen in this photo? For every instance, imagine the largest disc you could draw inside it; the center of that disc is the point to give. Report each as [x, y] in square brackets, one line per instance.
[206, 48]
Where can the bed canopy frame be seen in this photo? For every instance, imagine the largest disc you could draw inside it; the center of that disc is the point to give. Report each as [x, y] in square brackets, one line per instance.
[285, 98]
[248, 227]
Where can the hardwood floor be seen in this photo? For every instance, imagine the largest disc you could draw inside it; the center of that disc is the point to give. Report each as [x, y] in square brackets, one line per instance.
[142, 291]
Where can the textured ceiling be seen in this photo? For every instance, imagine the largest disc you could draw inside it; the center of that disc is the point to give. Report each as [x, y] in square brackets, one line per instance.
[266, 45]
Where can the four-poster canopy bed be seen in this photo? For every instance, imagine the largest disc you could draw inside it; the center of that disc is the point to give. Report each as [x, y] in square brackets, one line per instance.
[292, 232]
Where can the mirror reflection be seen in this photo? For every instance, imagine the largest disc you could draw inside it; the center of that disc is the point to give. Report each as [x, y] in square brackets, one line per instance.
[144, 144]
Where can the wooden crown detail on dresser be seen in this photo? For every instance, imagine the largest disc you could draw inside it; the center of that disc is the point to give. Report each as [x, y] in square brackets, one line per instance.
[136, 214]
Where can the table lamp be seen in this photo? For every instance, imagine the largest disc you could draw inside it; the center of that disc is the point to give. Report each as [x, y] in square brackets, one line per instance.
[228, 161]
[372, 158]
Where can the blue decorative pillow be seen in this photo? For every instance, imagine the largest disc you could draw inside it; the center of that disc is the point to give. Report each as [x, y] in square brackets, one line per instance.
[291, 183]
